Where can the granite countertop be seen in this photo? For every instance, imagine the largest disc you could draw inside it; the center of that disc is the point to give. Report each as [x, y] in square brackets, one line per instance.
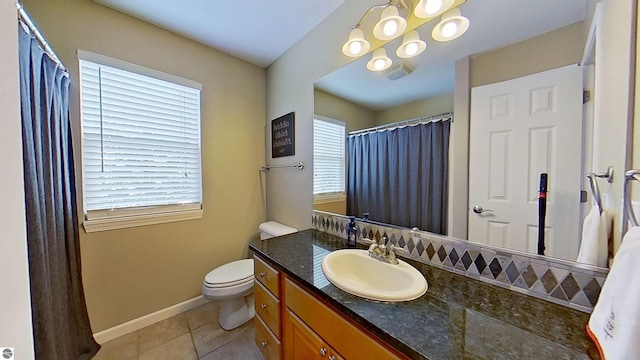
[458, 317]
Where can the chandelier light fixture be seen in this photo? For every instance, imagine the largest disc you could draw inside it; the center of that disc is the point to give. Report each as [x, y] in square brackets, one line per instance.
[393, 23]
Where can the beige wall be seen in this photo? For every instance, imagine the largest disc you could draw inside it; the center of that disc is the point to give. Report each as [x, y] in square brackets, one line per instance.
[290, 88]
[15, 301]
[355, 117]
[611, 109]
[132, 272]
[544, 52]
[430, 106]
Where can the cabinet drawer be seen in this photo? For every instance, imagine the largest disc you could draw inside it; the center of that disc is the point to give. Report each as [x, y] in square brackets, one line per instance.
[346, 338]
[268, 344]
[267, 276]
[268, 308]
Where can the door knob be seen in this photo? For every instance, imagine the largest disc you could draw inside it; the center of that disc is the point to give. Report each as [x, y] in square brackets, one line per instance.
[479, 210]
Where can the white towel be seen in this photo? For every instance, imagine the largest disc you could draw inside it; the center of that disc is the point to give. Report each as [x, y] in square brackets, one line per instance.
[614, 324]
[635, 205]
[596, 232]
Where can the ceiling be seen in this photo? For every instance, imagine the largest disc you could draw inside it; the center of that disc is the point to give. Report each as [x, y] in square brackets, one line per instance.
[274, 26]
[257, 31]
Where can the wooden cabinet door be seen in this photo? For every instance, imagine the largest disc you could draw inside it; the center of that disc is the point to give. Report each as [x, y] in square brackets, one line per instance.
[335, 356]
[301, 342]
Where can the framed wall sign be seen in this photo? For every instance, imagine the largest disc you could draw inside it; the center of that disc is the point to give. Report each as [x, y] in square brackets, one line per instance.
[283, 139]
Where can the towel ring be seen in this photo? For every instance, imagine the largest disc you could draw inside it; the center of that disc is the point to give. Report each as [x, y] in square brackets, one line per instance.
[595, 190]
[630, 175]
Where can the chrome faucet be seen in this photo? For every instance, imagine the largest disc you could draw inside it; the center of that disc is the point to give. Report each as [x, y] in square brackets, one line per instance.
[378, 250]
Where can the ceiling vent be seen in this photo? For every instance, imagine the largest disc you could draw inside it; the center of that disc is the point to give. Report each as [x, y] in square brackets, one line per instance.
[397, 71]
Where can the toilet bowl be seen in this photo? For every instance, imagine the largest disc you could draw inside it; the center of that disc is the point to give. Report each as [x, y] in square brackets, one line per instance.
[232, 283]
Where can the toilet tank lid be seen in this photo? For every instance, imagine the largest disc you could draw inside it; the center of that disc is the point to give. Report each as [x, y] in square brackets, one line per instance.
[275, 228]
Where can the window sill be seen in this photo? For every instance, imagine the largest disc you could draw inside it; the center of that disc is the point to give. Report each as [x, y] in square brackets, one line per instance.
[122, 222]
[328, 198]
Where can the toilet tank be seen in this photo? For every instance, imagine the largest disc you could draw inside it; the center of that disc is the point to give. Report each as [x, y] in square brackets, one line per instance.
[270, 229]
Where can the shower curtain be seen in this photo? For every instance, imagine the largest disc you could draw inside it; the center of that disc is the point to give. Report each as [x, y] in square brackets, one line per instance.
[60, 321]
[400, 176]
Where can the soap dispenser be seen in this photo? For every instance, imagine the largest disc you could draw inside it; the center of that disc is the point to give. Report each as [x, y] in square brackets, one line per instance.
[351, 232]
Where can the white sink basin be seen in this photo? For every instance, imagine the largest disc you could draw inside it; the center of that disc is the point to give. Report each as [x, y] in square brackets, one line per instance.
[355, 272]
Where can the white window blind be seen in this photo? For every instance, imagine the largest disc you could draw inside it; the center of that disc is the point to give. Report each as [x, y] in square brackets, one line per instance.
[329, 138]
[140, 142]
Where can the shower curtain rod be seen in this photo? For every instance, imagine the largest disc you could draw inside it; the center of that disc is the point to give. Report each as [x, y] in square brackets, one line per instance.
[25, 19]
[415, 121]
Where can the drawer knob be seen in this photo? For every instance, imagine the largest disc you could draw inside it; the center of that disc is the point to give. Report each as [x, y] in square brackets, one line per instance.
[323, 351]
[264, 344]
[332, 357]
[263, 306]
[263, 274]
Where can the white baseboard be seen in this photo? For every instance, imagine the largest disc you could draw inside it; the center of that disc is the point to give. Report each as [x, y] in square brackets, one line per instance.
[144, 321]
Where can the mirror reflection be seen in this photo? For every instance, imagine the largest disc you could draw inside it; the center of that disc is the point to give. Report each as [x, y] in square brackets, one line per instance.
[523, 67]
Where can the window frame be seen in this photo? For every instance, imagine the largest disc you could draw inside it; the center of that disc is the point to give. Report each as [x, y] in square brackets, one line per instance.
[336, 196]
[110, 219]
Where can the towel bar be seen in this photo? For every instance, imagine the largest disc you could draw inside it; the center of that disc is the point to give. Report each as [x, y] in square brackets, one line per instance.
[266, 168]
[628, 206]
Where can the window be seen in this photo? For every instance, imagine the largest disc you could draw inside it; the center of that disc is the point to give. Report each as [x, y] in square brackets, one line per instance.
[329, 138]
[140, 145]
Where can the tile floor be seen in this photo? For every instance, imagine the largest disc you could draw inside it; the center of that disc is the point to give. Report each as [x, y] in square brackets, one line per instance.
[194, 334]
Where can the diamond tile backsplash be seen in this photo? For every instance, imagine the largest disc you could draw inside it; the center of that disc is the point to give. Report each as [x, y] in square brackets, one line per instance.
[574, 285]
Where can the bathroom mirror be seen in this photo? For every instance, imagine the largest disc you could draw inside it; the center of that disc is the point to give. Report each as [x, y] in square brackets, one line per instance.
[425, 84]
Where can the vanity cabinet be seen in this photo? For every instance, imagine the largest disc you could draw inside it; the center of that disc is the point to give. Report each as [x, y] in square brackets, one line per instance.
[313, 330]
[268, 309]
[292, 323]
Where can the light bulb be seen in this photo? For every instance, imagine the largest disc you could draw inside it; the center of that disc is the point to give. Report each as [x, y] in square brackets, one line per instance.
[433, 6]
[449, 29]
[379, 64]
[411, 49]
[355, 47]
[390, 28]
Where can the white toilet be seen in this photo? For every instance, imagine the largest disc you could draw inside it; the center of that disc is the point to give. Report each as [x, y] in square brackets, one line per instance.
[232, 283]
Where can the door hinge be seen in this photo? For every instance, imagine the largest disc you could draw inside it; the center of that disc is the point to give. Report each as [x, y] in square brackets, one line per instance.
[586, 96]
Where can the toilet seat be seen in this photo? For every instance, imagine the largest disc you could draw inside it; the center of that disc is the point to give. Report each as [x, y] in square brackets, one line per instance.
[235, 273]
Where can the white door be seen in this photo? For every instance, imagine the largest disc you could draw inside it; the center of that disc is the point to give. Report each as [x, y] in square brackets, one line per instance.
[519, 129]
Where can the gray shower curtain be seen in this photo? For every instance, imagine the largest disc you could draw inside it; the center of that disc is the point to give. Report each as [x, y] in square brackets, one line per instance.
[60, 321]
[400, 176]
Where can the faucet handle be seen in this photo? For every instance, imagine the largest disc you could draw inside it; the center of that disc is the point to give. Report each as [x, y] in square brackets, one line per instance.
[393, 251]
[369, 241]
